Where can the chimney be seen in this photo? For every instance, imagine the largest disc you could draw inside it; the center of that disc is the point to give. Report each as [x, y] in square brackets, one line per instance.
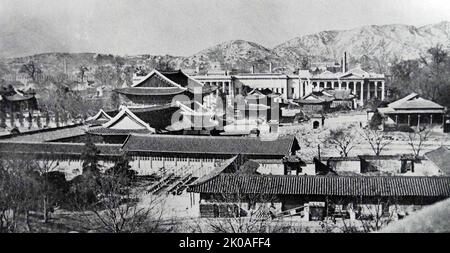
[344, 62]
[270, 67]
[253, 69]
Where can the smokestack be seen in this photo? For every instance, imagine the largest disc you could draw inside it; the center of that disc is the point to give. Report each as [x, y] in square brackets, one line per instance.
[270, 67]
[253, 69]
[344, 62]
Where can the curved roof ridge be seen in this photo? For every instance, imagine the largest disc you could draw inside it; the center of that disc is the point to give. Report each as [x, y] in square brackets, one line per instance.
[156, 72]
[124, 110]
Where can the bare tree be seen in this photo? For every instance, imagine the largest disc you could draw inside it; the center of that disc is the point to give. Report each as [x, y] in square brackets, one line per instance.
[105, 75]
[245, 213]
[343, 139]
[417, 138]
[377, 215]
[31, 69]
[82, 72]
[117, 209]
[18, 193]
[378, 140]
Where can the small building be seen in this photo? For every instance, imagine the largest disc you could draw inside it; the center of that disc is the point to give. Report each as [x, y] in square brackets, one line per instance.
[413, 110]
[342, 98]
[316, 101]
[14, 100]
[317, 197]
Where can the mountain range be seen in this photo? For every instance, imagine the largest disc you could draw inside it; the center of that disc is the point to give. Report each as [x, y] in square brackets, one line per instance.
[372, 46]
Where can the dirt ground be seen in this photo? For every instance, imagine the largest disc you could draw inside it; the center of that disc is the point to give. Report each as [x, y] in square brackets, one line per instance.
[310, 138]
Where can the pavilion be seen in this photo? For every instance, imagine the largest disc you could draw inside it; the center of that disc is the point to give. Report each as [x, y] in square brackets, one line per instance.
[413, 110]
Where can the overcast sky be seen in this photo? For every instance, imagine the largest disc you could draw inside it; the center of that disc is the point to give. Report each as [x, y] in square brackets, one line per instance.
[183, 27]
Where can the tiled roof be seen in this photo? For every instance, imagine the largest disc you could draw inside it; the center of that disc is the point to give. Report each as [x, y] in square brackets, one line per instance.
[326, 185]
[414, 102]
[178, 79]
[137, 110]
[109, 131]
[419, 103]
[441, 158]
[56, 148]
[100, 116]
[400, 101]
[141, 91]
[18, 97]
[340, 94]
[210, 145]
[126, 113]
[49, 134]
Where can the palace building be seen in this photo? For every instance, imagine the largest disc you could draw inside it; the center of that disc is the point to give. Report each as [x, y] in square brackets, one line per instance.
[160, 88]
[362, 84]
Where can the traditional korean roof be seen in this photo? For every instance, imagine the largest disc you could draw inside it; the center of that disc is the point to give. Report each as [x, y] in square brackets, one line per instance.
[325, 185]
[49, 134]
[225, 166]
[18, 97]
[340, 94]
[193, 108]
[100, 116]
[121, 132]
[414, 102]
[169, 83]
[151, 91]
[55, 148]
[316, 97]
[125, 122]
[411, 104]
[441, 158]
[210, 145]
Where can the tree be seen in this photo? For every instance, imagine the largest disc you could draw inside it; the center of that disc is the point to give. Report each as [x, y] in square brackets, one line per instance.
[90, 158]
[57, 118]
[115, 100]
[18, 190]
[63, 117]
[377, 140]
[30, 120]
[2, 119]
[164, 65]
[53, 187]
[21, 119]
[343, 139]
[82, 72]
[31, 69]
[376, 120]
[12, 119]
[118, 211]
[305, 62]
[38, 121]
[244, 213]
[47, 119]
[122, 170]
[105, 75]
[417, 138]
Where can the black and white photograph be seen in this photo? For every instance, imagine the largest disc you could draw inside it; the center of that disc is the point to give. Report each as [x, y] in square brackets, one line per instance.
[204, 117]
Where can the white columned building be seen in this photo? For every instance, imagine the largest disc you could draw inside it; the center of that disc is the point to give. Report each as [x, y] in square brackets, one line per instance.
[297, 86]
